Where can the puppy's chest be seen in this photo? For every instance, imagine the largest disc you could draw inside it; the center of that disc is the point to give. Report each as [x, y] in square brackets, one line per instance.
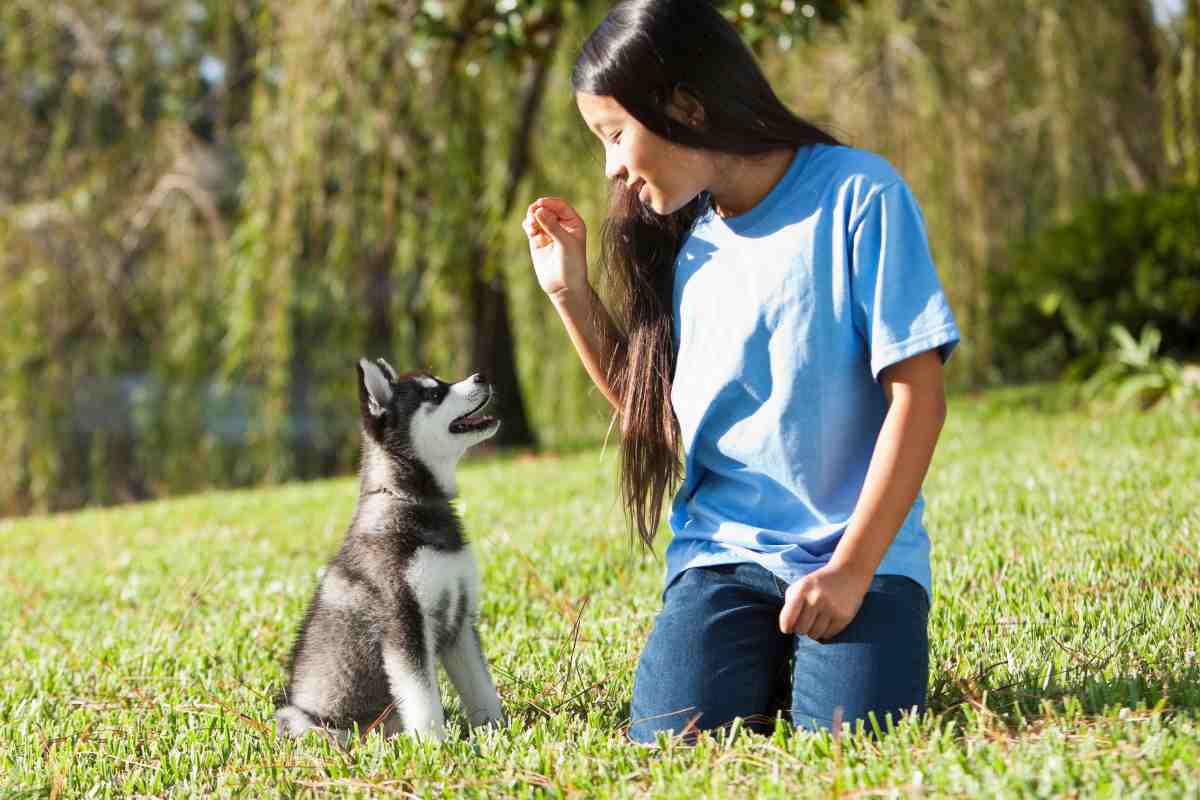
[446, 585]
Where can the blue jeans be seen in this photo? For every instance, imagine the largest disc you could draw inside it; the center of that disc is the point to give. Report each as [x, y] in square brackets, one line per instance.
[716, 653]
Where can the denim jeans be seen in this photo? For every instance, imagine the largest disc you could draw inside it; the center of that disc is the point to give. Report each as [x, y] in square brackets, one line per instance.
[716, 653]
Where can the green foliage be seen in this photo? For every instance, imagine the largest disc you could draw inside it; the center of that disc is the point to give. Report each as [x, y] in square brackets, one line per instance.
[140, 647]
[1134, 373]
[207, 214]
[506, 28]
[783, 22]
[209, 209]
[1130, 261]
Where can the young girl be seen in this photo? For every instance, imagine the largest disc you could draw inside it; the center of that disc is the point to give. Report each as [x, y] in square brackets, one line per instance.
[776, 321]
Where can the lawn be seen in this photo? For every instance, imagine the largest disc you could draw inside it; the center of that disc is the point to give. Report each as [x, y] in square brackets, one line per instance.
[140, 646]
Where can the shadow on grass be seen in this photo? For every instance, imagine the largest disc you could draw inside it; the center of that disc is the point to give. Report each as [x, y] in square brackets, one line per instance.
[1081, 688]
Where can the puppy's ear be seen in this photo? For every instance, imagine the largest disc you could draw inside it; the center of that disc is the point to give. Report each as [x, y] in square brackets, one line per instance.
[374, 391]
[387, 370]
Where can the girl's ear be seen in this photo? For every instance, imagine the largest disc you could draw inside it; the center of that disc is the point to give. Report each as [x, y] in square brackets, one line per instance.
[685, 108]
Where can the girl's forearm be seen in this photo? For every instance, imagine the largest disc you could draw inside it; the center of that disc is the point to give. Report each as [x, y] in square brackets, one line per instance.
[898, 466]
[581, 313]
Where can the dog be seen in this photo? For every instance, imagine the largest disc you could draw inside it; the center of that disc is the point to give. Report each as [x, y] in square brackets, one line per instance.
[403, 590]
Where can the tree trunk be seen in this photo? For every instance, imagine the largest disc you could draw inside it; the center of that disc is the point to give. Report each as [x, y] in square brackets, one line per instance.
[495, 354]
[377, 299]
[1191, 136]
[1141, 130]
[494, 346]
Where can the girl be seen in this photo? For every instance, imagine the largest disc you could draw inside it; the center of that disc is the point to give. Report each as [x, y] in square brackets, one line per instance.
[776, 321]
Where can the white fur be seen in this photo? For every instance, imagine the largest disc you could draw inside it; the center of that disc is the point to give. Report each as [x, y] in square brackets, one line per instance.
[468, 672]
[372, 512]
[432, 574]
[293, 720]
[337, 592]
[307, 694]
[416, 693]
[375, 470]
[429, 429]
[374, 509]
[296, 723]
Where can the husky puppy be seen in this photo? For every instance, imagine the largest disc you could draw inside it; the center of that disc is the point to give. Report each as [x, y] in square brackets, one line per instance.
[403, 590]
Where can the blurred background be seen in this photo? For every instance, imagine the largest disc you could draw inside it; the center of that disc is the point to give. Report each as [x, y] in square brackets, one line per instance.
[210, 208]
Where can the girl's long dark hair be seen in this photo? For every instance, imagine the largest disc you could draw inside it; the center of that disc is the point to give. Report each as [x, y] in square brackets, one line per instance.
[641, 55]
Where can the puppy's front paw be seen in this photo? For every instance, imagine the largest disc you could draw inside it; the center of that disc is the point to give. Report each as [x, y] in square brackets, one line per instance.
[431, 734]
[494, 720]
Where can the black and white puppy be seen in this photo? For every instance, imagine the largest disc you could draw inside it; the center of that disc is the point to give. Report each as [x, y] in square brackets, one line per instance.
[403, 590]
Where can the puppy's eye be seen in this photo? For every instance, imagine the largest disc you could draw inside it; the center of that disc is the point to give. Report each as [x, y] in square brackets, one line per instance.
[430, 395]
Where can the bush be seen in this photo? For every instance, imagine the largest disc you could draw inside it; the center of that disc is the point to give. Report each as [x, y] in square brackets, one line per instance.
[1134, 372]
[1131, 261]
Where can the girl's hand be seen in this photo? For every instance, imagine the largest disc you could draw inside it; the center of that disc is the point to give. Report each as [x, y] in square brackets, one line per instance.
[557, 244]
[821, 604]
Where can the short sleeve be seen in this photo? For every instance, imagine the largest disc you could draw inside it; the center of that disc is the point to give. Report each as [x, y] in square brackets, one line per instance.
[899, 306]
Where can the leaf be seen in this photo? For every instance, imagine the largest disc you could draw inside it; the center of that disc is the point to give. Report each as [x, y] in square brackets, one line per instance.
[1123, 338]
[1146, 389]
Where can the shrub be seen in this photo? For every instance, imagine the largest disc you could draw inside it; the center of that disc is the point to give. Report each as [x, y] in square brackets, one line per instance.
[1133, 371]
[1130, 261]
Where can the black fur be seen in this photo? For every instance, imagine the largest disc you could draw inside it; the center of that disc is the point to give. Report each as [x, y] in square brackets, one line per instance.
[364, 605]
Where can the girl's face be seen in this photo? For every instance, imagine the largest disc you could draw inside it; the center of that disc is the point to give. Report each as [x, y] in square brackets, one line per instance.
[665, 176]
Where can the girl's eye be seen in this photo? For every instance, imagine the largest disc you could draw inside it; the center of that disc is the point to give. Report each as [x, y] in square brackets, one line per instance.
[616, 138]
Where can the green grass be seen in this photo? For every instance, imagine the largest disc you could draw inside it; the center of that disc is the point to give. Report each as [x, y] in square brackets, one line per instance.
[140, 646]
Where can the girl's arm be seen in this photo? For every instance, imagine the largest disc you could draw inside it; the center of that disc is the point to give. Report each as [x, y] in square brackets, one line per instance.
[558, 246]
[823, 603]
[581, 312]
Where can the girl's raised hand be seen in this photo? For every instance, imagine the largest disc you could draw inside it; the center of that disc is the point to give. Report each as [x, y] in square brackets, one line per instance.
[557, 245]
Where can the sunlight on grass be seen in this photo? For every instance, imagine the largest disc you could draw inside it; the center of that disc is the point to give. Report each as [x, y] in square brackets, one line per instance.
[141, 645]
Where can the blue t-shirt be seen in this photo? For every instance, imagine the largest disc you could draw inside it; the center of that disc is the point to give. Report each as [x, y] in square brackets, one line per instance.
[784, 318]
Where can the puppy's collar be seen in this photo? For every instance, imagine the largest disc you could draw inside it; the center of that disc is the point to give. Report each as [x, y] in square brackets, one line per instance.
[387, 490]
[404, 498]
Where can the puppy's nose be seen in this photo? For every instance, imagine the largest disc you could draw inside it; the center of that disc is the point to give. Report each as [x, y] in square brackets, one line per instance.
[480, 378]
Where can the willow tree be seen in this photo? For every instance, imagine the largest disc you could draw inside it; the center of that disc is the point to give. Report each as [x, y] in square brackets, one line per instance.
[1003, 115]
[386, 160]
[1180, 90]
[102, 174]
[369, 199]
[503, 54]
[209, 210]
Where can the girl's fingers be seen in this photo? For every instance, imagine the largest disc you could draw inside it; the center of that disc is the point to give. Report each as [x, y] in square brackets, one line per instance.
[787, 616]
[536, 234]
[549, 223]
[820, 629]
[804, 625]
[556, 205]
[531, 227]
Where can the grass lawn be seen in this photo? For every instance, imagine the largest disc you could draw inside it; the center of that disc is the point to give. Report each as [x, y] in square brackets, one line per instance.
[140, 646]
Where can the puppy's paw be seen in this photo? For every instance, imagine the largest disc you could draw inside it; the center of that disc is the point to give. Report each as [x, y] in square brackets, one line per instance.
[292, 722]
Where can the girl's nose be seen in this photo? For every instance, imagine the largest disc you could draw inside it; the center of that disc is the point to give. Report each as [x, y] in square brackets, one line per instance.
[613, 168]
